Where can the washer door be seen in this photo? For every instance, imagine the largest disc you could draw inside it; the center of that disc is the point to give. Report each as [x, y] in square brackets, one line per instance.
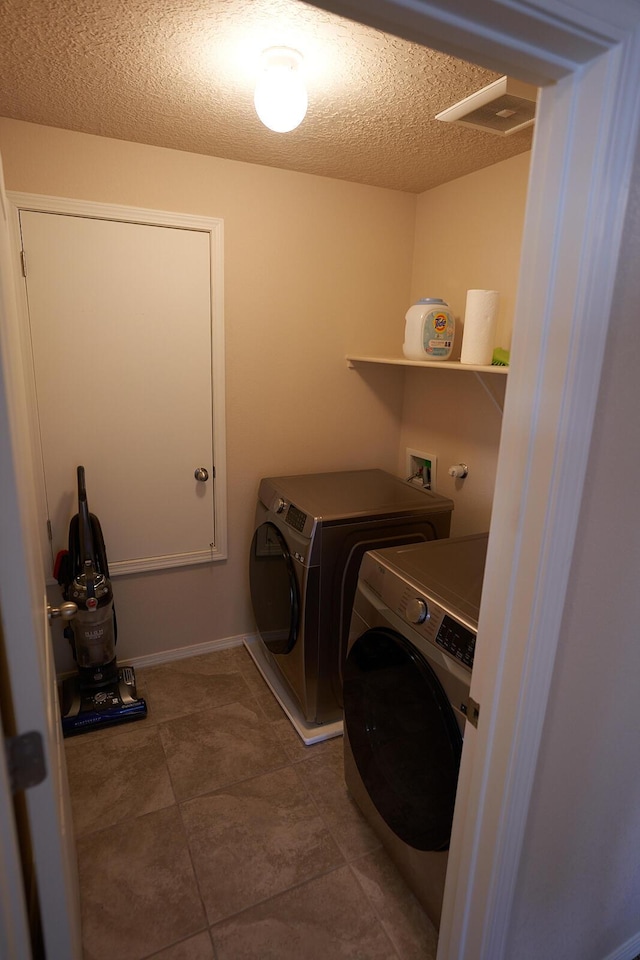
[274, 589]
[404, 737]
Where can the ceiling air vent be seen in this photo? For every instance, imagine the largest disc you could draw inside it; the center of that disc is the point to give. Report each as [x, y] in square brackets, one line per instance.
[503, 107]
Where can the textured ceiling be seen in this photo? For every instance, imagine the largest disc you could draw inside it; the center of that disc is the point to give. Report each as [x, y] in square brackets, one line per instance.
[180, 74]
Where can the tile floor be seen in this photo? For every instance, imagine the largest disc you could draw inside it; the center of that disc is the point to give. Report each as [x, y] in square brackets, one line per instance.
[209, 831]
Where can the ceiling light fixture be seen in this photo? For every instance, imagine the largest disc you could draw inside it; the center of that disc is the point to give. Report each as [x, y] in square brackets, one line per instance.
[281, 96]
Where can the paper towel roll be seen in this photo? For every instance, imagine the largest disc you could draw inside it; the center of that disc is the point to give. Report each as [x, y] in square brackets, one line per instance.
[480, 317]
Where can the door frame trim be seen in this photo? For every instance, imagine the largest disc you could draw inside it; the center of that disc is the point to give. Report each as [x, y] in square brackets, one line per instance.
[27, 647]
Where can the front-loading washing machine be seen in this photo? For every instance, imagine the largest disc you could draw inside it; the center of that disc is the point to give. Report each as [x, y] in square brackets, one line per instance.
[406, 688]
[311, 532]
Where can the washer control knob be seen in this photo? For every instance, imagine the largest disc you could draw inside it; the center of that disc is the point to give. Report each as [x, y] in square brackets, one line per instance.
[417, 611]
[280, 505]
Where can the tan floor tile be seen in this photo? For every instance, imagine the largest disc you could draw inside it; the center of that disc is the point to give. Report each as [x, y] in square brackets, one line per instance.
[254, 839]
[268, 847]
[254, 678]
[328, 918]
[216, 747]
[295, 747]
[125, 776]
[195, 948]
[138, 890]
[181, 687]
[407, 925]
[269, 706]
[324, 779]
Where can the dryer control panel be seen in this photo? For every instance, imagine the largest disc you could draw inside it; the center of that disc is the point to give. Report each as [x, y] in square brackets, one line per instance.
[296, 518]
[288, 513]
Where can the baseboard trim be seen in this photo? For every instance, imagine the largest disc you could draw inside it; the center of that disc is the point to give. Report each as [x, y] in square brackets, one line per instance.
[178, 653]
[628, 951]
[181, 653]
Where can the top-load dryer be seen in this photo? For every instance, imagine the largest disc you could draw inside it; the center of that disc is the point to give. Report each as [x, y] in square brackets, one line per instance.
[311, 532]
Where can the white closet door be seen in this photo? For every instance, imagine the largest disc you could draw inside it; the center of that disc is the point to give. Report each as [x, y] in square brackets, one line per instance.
[120, 317]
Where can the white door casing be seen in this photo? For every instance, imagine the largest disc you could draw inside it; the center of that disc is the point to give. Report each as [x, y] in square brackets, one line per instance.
[123, 309]
[557, 351]
[539, 41]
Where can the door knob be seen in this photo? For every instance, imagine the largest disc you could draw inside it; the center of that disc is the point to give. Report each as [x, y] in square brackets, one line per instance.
[201, 474]
[66, 611]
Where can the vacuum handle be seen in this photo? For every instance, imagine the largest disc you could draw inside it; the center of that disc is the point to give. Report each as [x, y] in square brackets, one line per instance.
[82, 490]
[87, 554]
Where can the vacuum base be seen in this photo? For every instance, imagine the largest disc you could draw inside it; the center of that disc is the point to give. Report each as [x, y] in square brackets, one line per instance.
[86, 709]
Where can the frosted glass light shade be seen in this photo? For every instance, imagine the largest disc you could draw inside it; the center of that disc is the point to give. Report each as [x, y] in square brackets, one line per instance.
[280, 97]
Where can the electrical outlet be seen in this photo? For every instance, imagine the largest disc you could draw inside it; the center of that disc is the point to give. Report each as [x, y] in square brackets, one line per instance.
[421, 468]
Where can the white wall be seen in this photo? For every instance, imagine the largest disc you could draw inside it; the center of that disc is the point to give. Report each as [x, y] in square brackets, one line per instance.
[578, 892]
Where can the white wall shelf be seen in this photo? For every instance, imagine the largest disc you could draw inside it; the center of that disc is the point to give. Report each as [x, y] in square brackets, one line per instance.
[438, 364]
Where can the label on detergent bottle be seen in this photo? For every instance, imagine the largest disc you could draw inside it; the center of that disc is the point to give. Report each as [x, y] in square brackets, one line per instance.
[437, 334]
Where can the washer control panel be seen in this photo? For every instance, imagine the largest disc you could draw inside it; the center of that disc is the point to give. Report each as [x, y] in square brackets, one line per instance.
[457, 640]
[432, 621]
[419, 609]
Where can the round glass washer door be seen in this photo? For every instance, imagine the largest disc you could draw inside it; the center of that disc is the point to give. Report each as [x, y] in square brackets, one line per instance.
[404, 737]
[274, 589]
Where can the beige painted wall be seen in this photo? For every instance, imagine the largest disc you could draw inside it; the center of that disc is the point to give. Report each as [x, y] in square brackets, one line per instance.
[468, 235]
[313, 267]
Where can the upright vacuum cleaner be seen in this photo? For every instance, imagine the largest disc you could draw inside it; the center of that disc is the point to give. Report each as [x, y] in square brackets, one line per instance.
[101, 694]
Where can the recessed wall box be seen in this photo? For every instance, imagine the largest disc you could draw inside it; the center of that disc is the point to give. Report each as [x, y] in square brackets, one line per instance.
[503, 107]
[421, 469]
